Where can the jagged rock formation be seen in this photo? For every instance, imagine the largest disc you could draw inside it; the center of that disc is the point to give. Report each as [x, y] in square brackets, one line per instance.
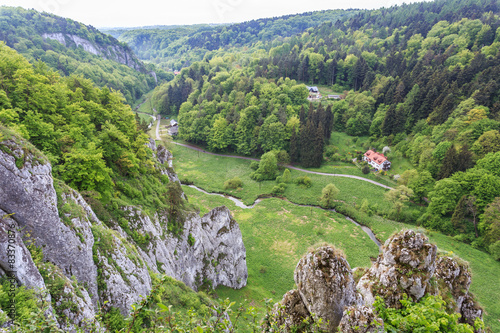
[16, 258]
[112, 52]
[290, 313]
[28, 193]
[360, 319]
[210, 248]
[326, 285]
[85, 261]
[454, 278]
[406, 265]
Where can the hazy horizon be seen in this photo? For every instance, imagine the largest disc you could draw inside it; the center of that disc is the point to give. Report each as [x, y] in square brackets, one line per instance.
[127, 14]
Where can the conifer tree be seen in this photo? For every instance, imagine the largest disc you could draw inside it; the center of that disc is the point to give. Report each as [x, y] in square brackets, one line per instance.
[450, 162]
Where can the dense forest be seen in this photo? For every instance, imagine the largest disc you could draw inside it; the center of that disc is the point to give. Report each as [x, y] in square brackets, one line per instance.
[418, 78]
[24, 31]
[89, 135]
[179, 47]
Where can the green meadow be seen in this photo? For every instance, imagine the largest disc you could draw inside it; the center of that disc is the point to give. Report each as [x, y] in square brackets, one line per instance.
[277, 233]
[209, 172]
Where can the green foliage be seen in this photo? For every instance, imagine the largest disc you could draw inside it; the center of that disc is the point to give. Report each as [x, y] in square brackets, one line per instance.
[287, 177]
[268, 167]
[191, 240]
[175, 207]
[280, 189]
[495, 250]
[428, 315]
[365, 169]
[328, 196]
[233, 183]
[303, 181]
[23, 30]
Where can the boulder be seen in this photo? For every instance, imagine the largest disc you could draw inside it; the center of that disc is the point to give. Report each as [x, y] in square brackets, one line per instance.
[326, 285]
[406, 265]
[288, 315]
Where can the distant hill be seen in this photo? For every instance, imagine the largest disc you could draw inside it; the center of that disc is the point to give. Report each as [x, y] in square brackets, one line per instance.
[178, 47]
[71, 47]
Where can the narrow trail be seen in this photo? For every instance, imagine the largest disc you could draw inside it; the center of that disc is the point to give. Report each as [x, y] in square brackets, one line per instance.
[288, 166]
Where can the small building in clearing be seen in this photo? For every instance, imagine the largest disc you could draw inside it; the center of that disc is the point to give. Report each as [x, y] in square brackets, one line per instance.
[173, 123]
[377, 160]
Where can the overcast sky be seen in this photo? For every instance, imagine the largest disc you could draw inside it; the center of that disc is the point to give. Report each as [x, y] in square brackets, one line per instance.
[126, 13]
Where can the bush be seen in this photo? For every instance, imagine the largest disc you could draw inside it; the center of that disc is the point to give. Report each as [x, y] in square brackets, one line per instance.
[329, 193]
[280, 189]
[495, 250]
[366, 170]
[233, 183]
[303, 181]
[287, 176]
[254, 165]
[191, 240]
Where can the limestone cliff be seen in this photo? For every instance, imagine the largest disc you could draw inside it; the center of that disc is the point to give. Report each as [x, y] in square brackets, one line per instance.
[116, 52]
[86, 262]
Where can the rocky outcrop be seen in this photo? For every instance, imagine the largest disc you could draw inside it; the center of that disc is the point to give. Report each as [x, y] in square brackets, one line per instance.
[72, 302]
[15, 257]
[28, 193]
[113, 52]
[85, 261]
[360, 319]
[470, 311]
[326, 285]
[123, 275]
[209, 249]
[289, 314]
[454, 278]
[406, 265]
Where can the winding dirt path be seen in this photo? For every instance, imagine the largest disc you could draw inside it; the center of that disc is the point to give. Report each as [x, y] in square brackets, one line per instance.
[288, 166]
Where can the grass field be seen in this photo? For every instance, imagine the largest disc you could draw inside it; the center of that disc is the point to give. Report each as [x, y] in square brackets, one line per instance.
[275, 238]
[210, 172]
[277, 233]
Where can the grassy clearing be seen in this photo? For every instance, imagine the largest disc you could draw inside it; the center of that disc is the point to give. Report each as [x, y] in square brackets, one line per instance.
[277, 234]
[210, 172]
[275, 240]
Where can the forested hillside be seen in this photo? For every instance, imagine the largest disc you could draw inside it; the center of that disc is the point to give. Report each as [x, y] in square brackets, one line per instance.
[70, 47]
[419, 78]
[180, 47]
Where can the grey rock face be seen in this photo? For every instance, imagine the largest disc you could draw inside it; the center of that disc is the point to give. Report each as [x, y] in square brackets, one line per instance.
[216, 252]
[326, 285]
[29, 193]
[113, 52]
[288, 314]
[470, 310]
[15, 257]
[360, 319]
[406, 265]
[454, 277]
[209, 248]
[72, 302]
[124, 274]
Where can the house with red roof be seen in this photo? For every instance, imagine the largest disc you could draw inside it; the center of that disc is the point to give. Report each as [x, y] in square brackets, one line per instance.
[377, 160]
